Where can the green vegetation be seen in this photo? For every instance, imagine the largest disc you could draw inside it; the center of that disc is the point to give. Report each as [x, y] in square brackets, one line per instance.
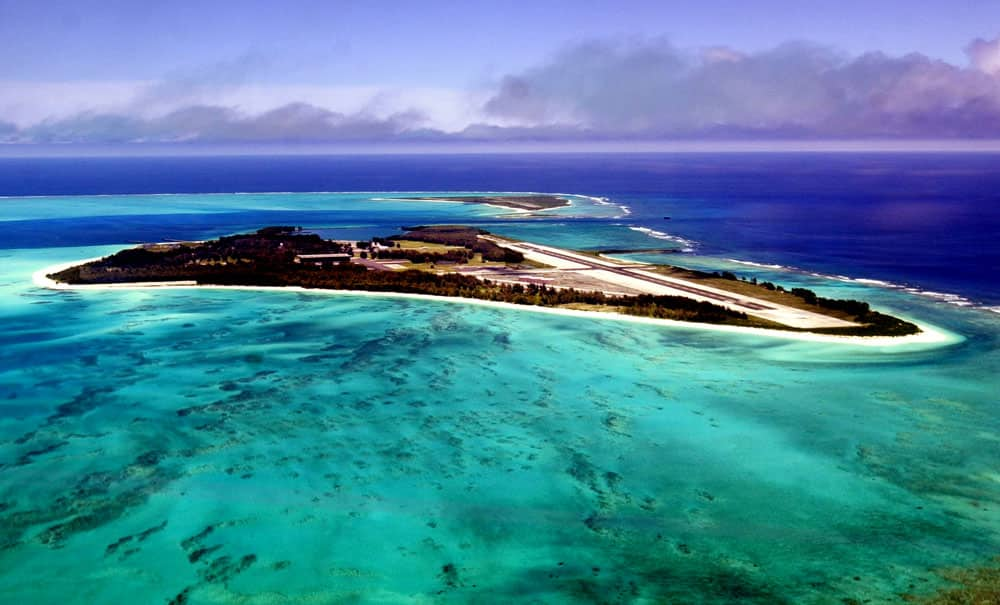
[270, 257]
[461, 236]
[449, 255]
[269, 249]
[354, 277]
[266, 258]
[447, 244]
[872, 322]
[422, 246]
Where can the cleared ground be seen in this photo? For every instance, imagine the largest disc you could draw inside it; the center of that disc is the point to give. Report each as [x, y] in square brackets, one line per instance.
[582, 271]
[559, 268]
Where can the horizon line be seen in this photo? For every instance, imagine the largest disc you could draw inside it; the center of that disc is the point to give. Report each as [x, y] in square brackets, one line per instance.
[40, 150]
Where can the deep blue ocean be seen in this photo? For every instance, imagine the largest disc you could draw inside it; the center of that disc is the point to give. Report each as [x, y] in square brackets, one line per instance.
[221, 446]
[930, 221]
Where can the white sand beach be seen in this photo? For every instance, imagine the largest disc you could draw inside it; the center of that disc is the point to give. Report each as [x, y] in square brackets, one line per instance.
[430, 200]
[928, 335]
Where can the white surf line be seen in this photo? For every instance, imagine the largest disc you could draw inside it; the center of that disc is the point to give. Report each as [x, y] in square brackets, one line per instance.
[957, 300]
[928, 335]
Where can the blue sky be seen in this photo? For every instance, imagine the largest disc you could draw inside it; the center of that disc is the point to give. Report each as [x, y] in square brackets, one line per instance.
[122, 70]
[441, 43]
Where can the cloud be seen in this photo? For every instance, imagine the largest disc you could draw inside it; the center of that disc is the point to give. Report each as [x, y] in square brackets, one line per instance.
[985, 55]
[27, 103]
[600, 90]
[200, 85]
[291, 123]
[648, 88]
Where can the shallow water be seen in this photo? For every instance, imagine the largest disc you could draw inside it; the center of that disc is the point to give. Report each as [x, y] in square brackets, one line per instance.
[296, 447]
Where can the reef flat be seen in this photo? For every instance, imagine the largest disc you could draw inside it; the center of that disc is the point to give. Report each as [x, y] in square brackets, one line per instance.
[245, 444]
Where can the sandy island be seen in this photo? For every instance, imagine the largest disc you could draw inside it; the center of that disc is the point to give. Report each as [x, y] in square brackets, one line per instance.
[928, 335]
[522, 204]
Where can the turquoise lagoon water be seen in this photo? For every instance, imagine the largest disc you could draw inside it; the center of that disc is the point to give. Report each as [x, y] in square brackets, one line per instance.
[220, 446]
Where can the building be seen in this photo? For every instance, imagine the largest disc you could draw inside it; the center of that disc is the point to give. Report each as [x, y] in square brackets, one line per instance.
[323, 260]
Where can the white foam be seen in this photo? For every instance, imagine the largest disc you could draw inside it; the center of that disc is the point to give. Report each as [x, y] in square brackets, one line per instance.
[946, 297]
[689, 245]
[602, 201]
[761, 265]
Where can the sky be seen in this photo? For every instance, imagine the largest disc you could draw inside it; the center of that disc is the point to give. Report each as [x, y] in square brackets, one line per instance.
[298, 71]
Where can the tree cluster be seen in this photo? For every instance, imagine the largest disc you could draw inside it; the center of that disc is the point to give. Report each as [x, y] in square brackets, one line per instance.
[271, 247]
[466, 237]
[455, 255]
[872, 322]
[266, 258]
[270, 266]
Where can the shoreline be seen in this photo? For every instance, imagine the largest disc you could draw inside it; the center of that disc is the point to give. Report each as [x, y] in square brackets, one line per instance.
[507, 209]
[928, 335]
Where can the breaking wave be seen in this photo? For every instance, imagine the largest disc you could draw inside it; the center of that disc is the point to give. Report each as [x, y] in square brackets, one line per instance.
[603, 201]
[689, 245]
[946, 297]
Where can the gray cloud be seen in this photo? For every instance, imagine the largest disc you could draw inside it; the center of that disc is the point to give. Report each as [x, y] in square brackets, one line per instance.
[293, 123]
[194, 86]
[650, 89]
[600, 90]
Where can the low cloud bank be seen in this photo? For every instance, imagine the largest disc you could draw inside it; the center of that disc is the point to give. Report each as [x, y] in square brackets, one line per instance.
[795, 90]
[293, 123]
[603, 90]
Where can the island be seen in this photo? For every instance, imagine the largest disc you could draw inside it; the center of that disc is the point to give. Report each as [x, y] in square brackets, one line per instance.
[524, 203]
[469, 263]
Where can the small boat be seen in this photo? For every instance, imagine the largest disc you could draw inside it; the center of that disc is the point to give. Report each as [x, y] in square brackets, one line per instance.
[666, 218]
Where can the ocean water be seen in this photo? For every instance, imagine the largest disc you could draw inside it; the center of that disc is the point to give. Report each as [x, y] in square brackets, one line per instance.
[927, 221]
[219, 446]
